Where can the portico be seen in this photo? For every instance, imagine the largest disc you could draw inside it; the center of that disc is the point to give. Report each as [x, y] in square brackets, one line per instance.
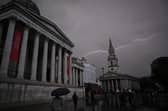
[35, 55]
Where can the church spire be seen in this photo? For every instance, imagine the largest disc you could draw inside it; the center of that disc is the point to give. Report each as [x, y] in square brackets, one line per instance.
[112, 59]
[111, 49]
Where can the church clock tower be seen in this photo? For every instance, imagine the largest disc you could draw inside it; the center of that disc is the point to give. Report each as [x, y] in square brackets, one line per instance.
[112, 59]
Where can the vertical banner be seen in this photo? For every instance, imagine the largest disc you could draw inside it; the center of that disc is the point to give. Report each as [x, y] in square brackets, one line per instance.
[15, 51]
[16, 43]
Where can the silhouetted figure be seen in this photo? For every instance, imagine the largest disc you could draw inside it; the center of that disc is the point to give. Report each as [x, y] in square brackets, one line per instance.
[93, 101]
[57, 104]
[75, 100]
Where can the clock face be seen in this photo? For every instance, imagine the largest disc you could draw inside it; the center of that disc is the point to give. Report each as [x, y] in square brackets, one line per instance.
[115, 69]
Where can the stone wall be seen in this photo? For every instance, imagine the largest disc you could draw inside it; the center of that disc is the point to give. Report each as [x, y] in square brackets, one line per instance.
[26, 92]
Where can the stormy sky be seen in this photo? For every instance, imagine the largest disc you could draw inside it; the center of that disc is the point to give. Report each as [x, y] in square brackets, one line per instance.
[137, 28]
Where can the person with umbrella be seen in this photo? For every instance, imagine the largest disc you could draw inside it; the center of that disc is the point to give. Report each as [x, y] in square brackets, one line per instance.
[57, 101]
[75, 100]
[57, 104]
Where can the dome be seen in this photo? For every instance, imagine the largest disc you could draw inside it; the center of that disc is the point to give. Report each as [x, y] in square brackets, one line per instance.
[28, 4]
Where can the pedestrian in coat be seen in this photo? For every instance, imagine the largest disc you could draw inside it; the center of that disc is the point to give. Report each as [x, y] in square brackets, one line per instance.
[75, 100]
[57, 104]
[93, 101]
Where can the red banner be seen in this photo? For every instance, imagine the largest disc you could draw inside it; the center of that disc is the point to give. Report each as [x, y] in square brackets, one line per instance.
[68, 65]
[16, 43]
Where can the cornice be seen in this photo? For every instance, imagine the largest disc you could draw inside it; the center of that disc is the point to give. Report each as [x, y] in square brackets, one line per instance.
[36, 18]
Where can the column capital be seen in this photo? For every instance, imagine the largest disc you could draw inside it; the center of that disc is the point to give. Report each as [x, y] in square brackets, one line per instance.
[12, 17]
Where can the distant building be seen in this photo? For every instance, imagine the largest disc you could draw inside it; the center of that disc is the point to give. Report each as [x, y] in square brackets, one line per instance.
[90, 80]
[89, 75]
[35, 54]
[114, 83]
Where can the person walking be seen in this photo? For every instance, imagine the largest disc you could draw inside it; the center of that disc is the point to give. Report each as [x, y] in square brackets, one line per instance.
[75, 100]
[57, 104]
[93, 101]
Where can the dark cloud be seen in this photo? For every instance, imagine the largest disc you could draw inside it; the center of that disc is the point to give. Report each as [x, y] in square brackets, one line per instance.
[138, 29]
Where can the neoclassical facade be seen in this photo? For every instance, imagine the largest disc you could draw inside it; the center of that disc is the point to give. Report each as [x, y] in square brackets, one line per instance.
[77, 76]
[77, 72]
[35, 54]
[115, 84]
[113, 81]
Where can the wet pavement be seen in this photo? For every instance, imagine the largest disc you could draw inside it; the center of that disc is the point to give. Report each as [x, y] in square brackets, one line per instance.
[68, 106]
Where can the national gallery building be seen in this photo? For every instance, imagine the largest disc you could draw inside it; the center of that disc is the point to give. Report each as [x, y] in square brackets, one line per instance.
[35, 55]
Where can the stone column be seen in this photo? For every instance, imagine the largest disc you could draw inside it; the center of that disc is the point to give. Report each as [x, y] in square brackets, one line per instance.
[22, 57]
[7, 49]
[53, 61]
[81, 77]
[1, 29]
[77, 71]
[73, 77]
[108, 82]
[56, 68]
[60, 65]
[106, 85]
[112, 85]
[44, 62]
[70, 70]
[65, 68]
[35, 57]
[116, 85]
[78, 74]
[109, 85]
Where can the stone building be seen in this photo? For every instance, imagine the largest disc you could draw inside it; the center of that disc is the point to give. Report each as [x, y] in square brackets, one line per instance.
[77, 75]
[77, 72]
[35, 54]
[89, 73]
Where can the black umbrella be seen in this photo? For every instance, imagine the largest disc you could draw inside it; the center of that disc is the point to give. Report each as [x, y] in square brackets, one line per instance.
[60, 92]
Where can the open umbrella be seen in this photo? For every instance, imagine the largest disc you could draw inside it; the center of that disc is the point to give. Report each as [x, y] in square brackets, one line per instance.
[60, 92]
